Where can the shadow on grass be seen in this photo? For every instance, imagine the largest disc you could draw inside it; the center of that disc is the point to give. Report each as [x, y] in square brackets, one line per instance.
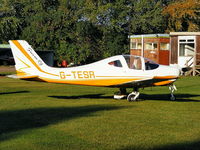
[166, 97]
[11, 121]
[181, 146]
[14, 92]
[96, 96]
[160, 97]
[194, 145]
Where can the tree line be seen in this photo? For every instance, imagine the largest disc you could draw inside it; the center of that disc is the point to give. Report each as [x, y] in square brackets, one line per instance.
[83, 31]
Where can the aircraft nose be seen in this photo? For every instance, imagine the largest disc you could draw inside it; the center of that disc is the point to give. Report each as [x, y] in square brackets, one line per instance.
[170, 71]
[176, 71]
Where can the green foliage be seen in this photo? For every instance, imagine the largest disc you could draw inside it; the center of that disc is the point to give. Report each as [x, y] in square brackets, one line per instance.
[114, 43]
[147, 18]
[81, 31]
[10, 23]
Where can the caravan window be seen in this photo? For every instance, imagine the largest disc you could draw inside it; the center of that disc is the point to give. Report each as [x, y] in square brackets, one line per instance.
[164, 46]
[150, 46]
[136, 45]
[186, 46]
[186, 49]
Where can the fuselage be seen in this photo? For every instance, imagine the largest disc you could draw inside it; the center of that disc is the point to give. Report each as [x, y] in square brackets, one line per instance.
[116, 71]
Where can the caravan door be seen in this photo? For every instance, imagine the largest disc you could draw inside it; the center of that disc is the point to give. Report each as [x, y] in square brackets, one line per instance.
[186, 51]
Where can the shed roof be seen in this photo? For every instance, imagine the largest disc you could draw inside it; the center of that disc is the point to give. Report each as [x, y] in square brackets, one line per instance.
[185, 33]
[150, 36]
[4, 45]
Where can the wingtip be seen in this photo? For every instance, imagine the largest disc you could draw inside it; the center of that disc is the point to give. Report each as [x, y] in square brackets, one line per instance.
[14, 76]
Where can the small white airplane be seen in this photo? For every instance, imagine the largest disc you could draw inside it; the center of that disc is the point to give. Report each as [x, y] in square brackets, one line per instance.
[121, 71]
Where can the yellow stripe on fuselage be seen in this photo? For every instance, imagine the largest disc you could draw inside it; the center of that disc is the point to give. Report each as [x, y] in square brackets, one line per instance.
[27, 66]
[21, 73]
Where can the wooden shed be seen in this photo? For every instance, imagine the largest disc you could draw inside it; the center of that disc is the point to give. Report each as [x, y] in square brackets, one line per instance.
[153, 46]
[185, 50]
[6, 56]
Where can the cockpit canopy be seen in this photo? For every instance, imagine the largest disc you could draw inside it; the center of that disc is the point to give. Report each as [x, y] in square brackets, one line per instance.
[135, 62]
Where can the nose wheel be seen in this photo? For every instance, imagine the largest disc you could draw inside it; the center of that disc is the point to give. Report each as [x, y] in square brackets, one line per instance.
[172, 88]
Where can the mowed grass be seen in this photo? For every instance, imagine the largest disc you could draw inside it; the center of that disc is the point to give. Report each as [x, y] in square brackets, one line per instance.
[44, 116]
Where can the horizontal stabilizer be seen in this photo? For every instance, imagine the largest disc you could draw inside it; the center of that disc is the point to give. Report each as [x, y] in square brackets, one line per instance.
[22, 76]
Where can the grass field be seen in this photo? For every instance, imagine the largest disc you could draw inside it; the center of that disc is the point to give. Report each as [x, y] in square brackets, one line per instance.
[43, 116]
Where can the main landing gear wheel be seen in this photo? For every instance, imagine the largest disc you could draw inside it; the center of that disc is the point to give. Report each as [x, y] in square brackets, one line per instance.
[133, 96]
[172, 88]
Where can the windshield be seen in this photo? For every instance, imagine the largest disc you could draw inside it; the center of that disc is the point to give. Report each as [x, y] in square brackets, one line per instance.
[133, 62]
[150, 65]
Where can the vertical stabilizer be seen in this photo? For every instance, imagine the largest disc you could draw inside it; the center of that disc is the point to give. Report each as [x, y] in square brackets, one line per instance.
[27, 61]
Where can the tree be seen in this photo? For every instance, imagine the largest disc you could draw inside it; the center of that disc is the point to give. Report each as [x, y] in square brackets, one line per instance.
[10, 22]
[81, 46]
[80, 31]
[64, 29]
[146, 17]
[111, 18]
[183, 15]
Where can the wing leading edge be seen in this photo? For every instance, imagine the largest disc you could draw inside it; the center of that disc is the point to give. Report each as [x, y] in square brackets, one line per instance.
[154, 81]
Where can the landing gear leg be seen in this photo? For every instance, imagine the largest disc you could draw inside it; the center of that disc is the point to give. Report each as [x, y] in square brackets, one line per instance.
[134, 95]
[172, 88]
[121, 94]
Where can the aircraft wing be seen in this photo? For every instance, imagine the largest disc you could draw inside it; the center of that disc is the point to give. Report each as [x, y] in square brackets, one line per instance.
[148, 82]
[136, 83]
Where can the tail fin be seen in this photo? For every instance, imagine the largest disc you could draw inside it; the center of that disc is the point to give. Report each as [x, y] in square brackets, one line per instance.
[27, 62]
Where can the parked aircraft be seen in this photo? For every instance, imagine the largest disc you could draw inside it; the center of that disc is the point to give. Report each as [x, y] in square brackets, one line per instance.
[121, 71]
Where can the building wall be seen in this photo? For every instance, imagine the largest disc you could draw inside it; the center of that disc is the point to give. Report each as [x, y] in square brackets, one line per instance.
[152, 54]
[158, 55]
[136, 52]
[6, 56]
[174, 50]
[171, 56]
[198, 50]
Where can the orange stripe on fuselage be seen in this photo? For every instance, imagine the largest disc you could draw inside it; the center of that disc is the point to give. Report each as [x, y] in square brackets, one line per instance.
[165, 77]
[18, 45]
[163, 83]
[92, 82]
[164, 80]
